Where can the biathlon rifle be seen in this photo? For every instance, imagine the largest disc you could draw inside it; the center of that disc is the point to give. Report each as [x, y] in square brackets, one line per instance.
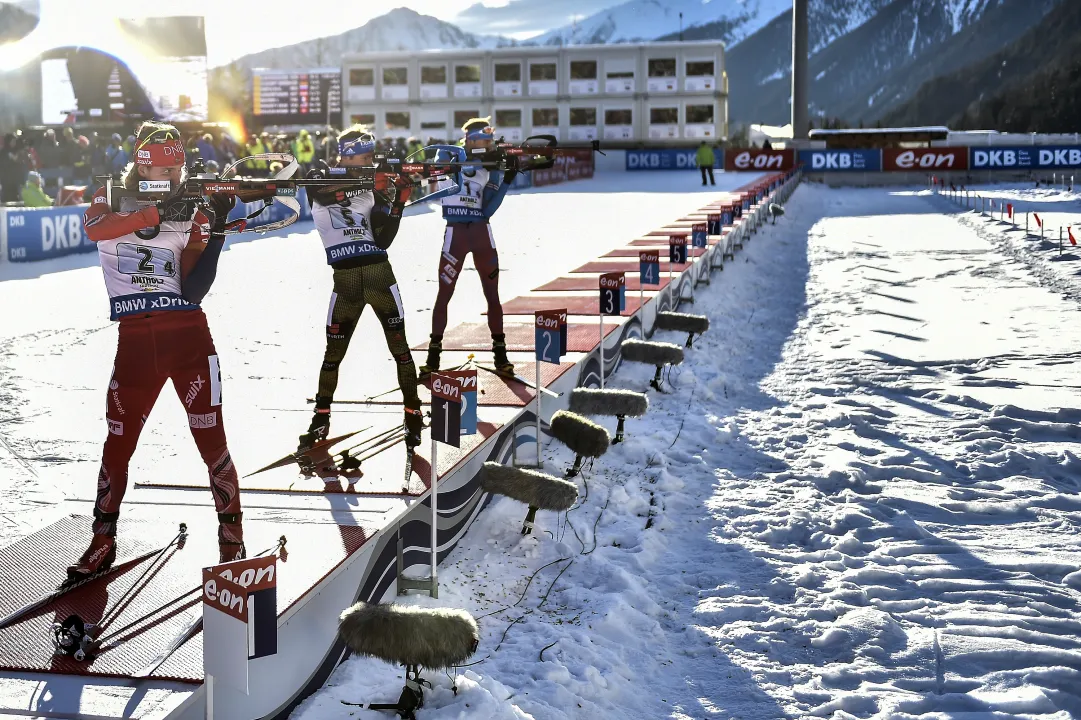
[282, 186]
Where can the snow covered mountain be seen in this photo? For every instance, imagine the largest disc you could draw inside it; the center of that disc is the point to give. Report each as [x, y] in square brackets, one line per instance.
[639, 20]
[870, 55]
[399, 29]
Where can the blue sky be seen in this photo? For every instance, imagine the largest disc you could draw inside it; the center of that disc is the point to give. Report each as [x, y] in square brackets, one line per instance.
[229, 25]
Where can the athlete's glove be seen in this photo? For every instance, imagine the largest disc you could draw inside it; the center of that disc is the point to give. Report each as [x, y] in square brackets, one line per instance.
[219, 208]
[177, 208]
[414, 423]
[318, 171]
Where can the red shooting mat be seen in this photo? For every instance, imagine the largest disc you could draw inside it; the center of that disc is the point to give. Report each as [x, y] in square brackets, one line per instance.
[575, 304]
[632, 252]
[588, 282]
[617, 265]
[34, 563]
[660, 242]
[476, 337]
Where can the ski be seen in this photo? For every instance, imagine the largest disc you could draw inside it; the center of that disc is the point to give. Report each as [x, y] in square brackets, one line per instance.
[519, 379]
[80, 639]
[300, 457]
[192, 627]
[69, 585]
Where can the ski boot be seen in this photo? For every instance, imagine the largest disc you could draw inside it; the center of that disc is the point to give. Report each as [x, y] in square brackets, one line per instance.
[435, 348]
[499, 354]
[318, 431]
[231, 537]
[99, 556]
[414, 423]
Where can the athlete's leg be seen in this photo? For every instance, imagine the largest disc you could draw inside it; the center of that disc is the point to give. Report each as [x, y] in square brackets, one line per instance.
[382, 294]
[486, 260]
[346, 305]
[197, 381]
[455, 248]
[133, 389]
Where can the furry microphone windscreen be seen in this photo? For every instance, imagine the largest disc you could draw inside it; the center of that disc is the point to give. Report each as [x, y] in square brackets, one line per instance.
[651, 353]
[407, 635]
[535, 489]
[592, 401]
[585, 438]
[682, 322]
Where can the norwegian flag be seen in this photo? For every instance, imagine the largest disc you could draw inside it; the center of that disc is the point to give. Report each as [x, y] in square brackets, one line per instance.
[1069, 229]
[1038, 220]
[1009, 210]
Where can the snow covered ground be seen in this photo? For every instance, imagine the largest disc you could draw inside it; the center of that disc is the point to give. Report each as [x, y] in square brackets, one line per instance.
[859, 500]
[267, 312]
[1058, 208]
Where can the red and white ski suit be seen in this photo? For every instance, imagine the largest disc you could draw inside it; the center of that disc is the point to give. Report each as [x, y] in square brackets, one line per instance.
[162, 337]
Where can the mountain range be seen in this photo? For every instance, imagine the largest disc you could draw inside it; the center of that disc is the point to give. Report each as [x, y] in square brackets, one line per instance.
[868, 57]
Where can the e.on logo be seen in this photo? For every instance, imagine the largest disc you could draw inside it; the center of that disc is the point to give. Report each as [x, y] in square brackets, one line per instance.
[744, 161]
[925, 159]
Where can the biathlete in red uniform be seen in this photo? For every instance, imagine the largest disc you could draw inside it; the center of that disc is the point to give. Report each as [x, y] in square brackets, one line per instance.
[159, 260]
[468, 206]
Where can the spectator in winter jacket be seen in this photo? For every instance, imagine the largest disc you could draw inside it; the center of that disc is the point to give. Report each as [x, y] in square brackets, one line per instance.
[48, 152]
[13, 168]
[206, 148]
[414, 146]
[34, 192]
[116, 159]
[257, 147]
[304, 151]
[704, 158]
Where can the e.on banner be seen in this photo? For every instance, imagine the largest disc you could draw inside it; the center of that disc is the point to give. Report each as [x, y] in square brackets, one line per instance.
[757, 159]
[952, 158]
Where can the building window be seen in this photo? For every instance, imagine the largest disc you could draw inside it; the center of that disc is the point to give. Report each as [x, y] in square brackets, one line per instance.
[618, 117]
[664, 116]
[366, 119]
[583, 116]
[545, 117]
[467, 73]
[461, 117]
[433, 125]
[539, 72]
[583, 69]
[397, 121]
[508, 72]
[662, 67]
[361, 76]
[700, 114]
[508, 119]
[627, 75]
[395, 76]
[699, 68]
[433, 75]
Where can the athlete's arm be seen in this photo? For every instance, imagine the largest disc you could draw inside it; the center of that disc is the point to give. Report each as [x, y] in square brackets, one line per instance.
[387, 217]
[199, 260]
[494, 192]
[102, 223]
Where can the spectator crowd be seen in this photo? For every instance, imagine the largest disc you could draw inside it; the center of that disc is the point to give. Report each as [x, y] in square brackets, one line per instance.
[35, 164]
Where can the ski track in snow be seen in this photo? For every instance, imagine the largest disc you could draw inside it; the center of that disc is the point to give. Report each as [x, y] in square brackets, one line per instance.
[864, 500]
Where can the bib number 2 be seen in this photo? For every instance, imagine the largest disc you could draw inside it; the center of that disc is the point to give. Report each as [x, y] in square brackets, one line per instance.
[135, 259]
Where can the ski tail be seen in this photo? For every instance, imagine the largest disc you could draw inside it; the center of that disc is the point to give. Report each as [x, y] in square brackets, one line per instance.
[68, 585]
